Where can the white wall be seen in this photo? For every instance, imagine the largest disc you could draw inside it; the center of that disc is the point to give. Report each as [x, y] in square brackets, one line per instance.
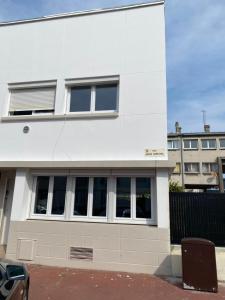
[128, 43]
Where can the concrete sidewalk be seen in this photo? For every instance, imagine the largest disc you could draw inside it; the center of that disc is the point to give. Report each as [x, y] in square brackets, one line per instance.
[49, 283]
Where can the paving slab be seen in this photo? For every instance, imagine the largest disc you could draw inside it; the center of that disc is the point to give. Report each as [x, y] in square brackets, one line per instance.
[50, 283]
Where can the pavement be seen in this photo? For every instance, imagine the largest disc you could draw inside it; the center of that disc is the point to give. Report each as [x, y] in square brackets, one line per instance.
[50, 283]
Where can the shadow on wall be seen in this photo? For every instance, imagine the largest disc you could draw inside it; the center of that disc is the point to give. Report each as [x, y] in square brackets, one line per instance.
[165, 268]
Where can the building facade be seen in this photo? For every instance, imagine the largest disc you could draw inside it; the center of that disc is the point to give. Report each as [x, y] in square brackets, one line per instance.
[199, 159]
[83, 159]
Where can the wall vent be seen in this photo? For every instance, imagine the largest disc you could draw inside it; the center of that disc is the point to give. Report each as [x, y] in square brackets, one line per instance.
[81, 253]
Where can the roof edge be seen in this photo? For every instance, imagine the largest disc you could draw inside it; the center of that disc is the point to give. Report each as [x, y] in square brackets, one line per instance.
[82, 13]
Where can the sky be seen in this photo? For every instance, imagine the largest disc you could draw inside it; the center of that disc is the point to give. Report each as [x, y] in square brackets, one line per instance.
[195, 41]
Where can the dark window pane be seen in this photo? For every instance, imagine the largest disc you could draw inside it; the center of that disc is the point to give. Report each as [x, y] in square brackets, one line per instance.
[41, 195]
[106, 97]
[123, 205]
[99, 197]
[143, 198]
[21, 113]
[80, 98]
[81, 196]
[59, 193]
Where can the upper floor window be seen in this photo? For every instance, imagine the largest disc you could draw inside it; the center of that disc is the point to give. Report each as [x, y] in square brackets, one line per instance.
[191, 144]
[209, 167]
[30, 101]
[93, 98]
[222, 143]
[191, 167]
[209, 144]
[173, 144]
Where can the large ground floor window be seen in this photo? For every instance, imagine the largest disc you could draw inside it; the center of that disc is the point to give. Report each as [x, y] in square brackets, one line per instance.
[94, 198]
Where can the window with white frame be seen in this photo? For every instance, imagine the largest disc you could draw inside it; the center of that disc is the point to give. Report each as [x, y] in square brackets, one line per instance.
[32, 101]
[222, 143]
[191, 167]
[190, 144]
[173, 144]
[50, 193]
[87, 198]
[93, 97]
[90, 197]
[209, 167]
[208, 144]
[133, 198]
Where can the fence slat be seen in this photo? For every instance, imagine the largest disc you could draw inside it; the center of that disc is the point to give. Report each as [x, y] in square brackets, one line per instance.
[199, 215]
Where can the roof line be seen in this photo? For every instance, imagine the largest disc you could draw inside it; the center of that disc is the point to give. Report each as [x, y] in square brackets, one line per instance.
[81, 13]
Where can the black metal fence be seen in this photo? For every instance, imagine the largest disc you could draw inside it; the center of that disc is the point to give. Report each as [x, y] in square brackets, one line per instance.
[197, 215]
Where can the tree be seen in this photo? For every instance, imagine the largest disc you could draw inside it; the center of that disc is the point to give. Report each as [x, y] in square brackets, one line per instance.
[175, 187]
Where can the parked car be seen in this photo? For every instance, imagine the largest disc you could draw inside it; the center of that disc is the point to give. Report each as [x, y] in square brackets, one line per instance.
[14, 281]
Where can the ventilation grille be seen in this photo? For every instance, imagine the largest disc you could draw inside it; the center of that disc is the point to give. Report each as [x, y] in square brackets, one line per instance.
[81, 253]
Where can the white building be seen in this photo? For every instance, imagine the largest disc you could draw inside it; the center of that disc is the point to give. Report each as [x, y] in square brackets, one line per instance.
[83, 156]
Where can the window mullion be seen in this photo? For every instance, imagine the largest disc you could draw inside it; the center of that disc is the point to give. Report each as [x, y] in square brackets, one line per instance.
[68, 198]
[90, 197]
[93, 98]
[133, 198]
[34, 187]
[50, 195]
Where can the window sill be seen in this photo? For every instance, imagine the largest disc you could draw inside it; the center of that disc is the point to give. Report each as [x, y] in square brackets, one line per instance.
[191, 173]
[92, 220]
[175, 149]
[190, 149]
[209, 148]
[71, 116]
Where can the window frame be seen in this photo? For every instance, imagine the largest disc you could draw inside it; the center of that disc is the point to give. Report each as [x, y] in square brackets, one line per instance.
[210, 171]
[221, 147]
[27, 86]
[48, 214]
[192, 172]
[89, 216]
[174, 141]
[92, 84]
[110, 204]
[190, 148]
[209, 148]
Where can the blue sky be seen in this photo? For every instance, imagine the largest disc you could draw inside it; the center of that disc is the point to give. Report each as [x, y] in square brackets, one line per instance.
[195, 33]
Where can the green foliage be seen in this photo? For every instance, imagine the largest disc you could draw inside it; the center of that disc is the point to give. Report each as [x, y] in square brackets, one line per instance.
[175, 187]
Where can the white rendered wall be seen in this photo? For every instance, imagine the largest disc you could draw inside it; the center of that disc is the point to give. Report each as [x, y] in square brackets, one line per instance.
[128, 43]
[162, 191]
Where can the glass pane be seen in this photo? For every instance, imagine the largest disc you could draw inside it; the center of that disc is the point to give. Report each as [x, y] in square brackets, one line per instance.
[81, 196]
[186, 144]
[106, 97]
[143, 198]
[59, 193]
[214, 167]
[187, 167]
[170, 144]
[194, 144]
[212, 143]
[222, 143]
[204, 144]
[123, 205]
[195, 167]
[80, 99]
[99, 197]
[41, 195]
[205, 167]
[176, 144]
